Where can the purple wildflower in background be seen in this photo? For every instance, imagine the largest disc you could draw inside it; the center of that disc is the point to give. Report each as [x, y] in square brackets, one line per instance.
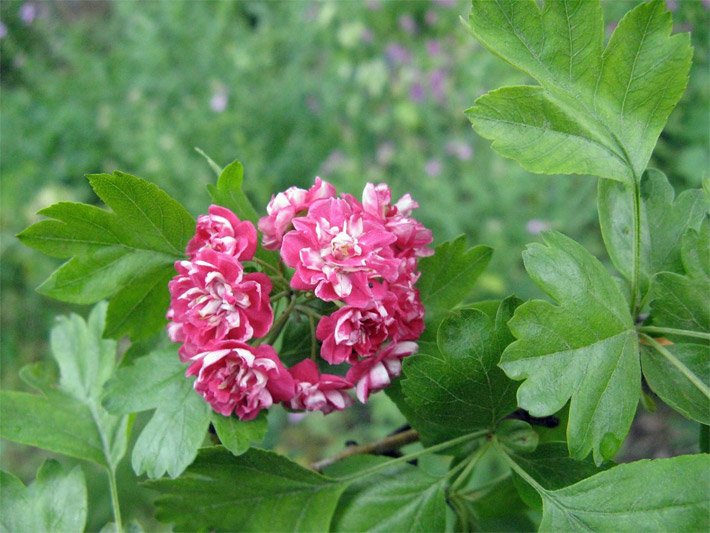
[408, 24]
[28, 12]
[536, 226]
[459, 149]
[433, 168]
[368, 36]
[672, 5]
[445, 3]
[437, 83]
[335, 159]
[373, 5]
[313, 104]
[385, 153]
[431, 17]
[433, 47]
[416, 92]
[398, 54]
[3, 30]
[219, 101]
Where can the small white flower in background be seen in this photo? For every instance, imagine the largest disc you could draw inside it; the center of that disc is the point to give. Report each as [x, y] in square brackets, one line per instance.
[219, 100]
[536, 226]
[433, 168]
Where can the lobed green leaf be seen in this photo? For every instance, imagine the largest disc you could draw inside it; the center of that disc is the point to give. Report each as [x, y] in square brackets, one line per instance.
[458, 388]
[664, 221]
[170, 440]
[68, 418]
[125, 254]
[402, 498]
[682, 382]
[584, 350]
[649, 495]
[55, 501]
[238, 435]
[612, 94]
[256, 491]
[449, 275]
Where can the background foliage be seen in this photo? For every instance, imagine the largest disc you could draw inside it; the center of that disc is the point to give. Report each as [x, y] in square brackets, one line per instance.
[351, 91]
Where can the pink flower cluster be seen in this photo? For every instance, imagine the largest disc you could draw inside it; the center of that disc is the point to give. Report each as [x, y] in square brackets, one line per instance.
[360, 255]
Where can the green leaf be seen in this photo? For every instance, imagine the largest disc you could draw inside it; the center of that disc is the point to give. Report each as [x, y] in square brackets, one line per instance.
[517, 436]
[169, 442]
[552, 467]
[680, 302]
[296, 340]
[525, 124]
[449, 275]
[649, 495]
[228, 192]
[124, 254]
[41, 375]
[664, 221]
[560, 47]
[679, 381]
[695, 251]
[460, 388]
[402, 498]
[644, 74]
[237, 435]
[498, 508]
[430, 432]
[585, 349]
[613, 95]
[256, 491]
[68, 418]
[59, 424]
[138, 309]
[55, 501]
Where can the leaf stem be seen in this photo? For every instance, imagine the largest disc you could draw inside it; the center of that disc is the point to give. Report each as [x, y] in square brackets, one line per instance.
[263, 263]
[472, 462]
[110, 467]
[477, 493]
[304, 309]
[314, 342]
[672, 359]
[673, 331]
[114, 500]
[414, 455]
[521, 472]
[636, 258]
[279, 324]
[279, 295]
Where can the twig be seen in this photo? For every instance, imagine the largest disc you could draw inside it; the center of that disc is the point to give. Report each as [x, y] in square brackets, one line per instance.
[393, 442]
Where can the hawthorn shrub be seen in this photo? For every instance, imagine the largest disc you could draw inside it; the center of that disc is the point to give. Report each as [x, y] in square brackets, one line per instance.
[340, 293]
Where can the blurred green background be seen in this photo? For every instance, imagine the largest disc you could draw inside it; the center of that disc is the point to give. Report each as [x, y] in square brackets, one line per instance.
[353, 91]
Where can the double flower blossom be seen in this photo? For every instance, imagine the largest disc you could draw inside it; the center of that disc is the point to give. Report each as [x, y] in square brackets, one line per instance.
[360, 255]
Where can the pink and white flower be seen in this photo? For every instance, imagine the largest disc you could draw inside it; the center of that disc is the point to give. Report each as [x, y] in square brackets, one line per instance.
[234, 377]
[356, 331]
[212, 299]
[413, 238]
[287, 205]
[375, 373]
[406, 309]
[318, 392]
[336, 251]
[222, 231]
